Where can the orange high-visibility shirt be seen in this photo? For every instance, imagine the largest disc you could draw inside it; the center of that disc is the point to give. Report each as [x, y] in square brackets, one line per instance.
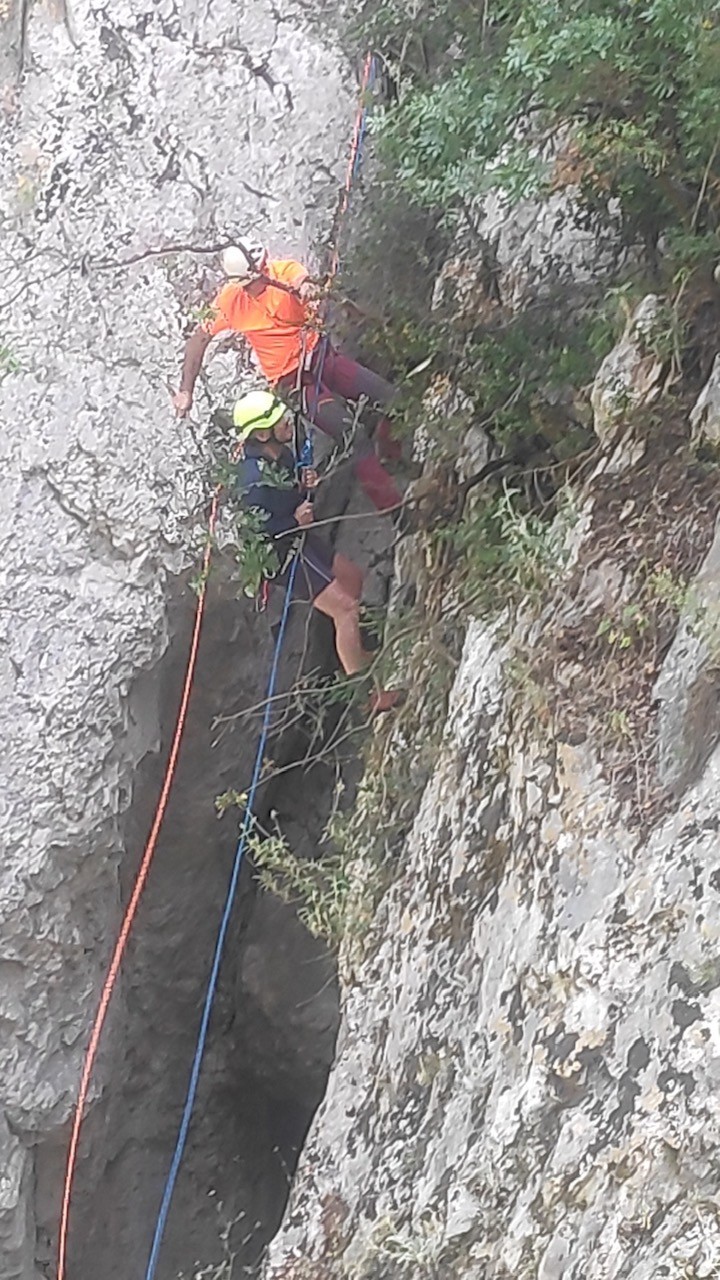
[272, 323]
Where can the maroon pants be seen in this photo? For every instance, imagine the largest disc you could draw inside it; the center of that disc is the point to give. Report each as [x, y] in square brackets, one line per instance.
[331, 381]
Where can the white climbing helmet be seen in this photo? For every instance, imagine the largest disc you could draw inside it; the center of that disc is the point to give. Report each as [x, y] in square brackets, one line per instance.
[245, 259]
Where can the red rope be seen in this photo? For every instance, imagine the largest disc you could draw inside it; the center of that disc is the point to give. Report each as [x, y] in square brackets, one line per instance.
[132, 906]
[345, 197]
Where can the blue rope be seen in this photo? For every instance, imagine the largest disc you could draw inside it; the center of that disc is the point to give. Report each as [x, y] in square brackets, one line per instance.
[222, 933]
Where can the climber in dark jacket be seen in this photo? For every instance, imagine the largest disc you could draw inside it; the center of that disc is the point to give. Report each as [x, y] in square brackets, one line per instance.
[267, 482]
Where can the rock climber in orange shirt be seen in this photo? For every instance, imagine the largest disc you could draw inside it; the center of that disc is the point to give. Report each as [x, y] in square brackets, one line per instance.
[270, 302]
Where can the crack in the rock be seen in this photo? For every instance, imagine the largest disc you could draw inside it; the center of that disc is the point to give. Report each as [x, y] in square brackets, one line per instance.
[202, 186]
[260, 69]
[22, 49]
[100, 538]
[62, 501]
[13, 43]
[69, 24]
[255, 191]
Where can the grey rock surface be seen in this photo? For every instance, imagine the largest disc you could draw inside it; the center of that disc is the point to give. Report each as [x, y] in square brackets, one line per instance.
[532, 249]
[630, 376]
[542, 244]
[125, 129]
[705, 416]
[688, 687]
[528, 1060]
[527, 1068]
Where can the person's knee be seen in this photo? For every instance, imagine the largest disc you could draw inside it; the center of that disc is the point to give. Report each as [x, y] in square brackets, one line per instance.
[348, 574]
[348, 606]
[336, 601]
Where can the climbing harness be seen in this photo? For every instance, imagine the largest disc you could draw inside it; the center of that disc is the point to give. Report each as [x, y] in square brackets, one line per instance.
[131, 910]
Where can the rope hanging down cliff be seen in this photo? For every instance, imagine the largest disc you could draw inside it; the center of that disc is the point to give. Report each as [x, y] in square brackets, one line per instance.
[220, 944]
[131, 910]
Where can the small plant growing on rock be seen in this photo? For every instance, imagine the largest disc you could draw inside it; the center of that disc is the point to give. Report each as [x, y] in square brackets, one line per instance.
[230, 800]
[417, 1249]
[318, 887]
[203, 312]
[198, 582]
[626, 628]
[255, 557]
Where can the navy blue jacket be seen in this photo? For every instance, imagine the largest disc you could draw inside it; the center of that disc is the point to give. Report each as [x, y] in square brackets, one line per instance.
[256, 485]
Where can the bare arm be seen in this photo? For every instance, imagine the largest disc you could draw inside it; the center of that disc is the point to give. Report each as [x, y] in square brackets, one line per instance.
[195, 349]
[309, 290]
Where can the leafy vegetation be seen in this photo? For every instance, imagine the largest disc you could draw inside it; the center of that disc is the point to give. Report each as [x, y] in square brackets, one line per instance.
[508, 555]
[619, 101]
[255, 557]
[336, 893]
[615, 105]
[318, 887]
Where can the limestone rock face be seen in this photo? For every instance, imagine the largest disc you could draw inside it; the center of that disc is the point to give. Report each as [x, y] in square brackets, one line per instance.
[126, 128]
[526, 1076]
[705, 417]
[532, 249]
[527, 1068]
[630, 376]
[687, 687]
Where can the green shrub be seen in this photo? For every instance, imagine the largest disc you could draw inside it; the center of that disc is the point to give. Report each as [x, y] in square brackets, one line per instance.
[507, 555]
[620, 100]
[318, 887]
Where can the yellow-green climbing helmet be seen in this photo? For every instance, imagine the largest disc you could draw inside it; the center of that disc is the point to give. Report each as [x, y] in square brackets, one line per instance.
[257, 411]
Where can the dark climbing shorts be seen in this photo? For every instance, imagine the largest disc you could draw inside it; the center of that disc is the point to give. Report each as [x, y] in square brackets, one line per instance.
[313, 574]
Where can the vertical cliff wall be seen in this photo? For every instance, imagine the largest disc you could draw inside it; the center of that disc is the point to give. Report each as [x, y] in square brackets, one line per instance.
[125, 128]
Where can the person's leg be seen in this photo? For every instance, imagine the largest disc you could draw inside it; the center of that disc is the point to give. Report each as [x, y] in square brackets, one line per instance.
[377, 484]
[332, 415]
[344, 610]
[331, 597]
[387, 446]
[329, 412]
[349, 575]
[351, 380]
